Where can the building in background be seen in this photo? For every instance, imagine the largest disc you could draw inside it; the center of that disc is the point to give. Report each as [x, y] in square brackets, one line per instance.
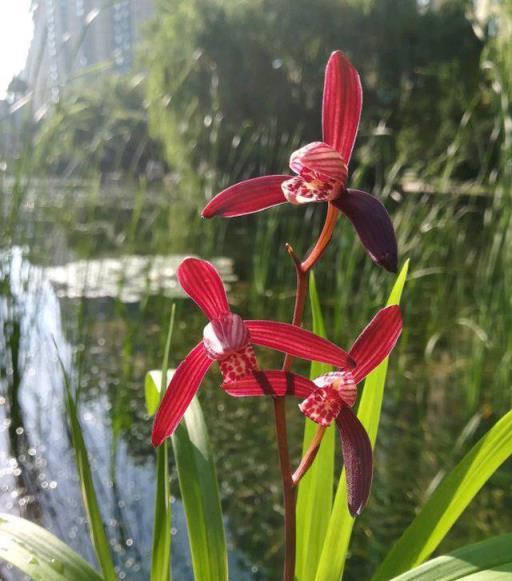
[80, 39]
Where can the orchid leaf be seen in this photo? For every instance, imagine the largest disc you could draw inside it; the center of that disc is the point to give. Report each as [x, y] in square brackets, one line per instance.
[334, 552]
[200, 495]
[39, 554]
[314, 501]
[155, 386]
[90, 500]
[153, 389]
[489, 560]
[449, 500]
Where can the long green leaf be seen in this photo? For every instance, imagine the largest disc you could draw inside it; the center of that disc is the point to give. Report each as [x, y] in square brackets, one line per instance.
[161, 551]
[97, 531]
[314, 501]
[334, 553]
[39, 554]
[489, 560]
[449, 500]
[200, 495]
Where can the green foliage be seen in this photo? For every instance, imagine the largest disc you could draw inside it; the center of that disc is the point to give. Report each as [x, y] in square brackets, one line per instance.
[200, 495]
[314, 500]
[39, 554]
[99, 128]
[335, 548]
[489, 560]
[449, 500]
[92, 510]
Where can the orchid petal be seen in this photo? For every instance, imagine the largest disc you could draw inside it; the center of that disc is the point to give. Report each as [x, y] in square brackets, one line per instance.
[357, 459]
[319, 161]
[298, 342]
[202, 283]
[270, 383]
[376, 342]
[373, 225]
[247, 197]
[342, 103]
[183, 386]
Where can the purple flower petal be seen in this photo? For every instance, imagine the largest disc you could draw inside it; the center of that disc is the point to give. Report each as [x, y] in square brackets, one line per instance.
[373, 225]
[357, 458]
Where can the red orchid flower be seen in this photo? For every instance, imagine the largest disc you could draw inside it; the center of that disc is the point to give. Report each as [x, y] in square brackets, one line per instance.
[229, 340]
[322, 171]
[330, 397]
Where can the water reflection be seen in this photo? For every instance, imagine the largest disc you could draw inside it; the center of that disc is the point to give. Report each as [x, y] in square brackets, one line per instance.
[128, 279]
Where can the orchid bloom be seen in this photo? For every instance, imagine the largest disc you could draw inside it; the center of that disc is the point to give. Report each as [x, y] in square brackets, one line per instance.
[330, 397]
[322, 171]
[229, 340]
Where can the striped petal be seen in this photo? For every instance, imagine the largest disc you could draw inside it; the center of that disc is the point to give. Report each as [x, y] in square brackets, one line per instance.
[357, 459]
[376, 342]
[202, 283]
[225, 335]
[270, 383]
[318, 160]
[298, 342]
[373, 226]
[182, 388]
[342, 103]
[247, 197]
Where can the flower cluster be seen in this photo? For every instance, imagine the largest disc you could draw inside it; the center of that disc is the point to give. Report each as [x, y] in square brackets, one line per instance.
[321, 170]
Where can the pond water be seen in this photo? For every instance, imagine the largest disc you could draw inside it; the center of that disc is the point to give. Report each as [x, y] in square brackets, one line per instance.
[88, 273]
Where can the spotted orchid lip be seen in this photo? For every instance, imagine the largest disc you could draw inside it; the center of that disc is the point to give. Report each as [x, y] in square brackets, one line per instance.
[342, 382]
[322, 406]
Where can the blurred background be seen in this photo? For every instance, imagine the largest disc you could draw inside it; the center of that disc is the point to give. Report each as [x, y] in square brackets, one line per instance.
[119, 120]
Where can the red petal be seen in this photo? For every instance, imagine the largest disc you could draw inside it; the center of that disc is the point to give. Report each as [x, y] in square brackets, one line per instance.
[298, 342]
[357, 459]
[319, 161]
[273, 383]
[247, 197]
[182, 388]
[202, 283]
[377, 340]
[373, 225]
[343, 99]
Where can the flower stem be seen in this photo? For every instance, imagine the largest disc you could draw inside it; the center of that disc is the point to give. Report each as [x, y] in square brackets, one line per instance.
[289, 497]
[288, 489]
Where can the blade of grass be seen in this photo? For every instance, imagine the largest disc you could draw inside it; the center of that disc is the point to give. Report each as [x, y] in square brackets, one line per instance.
[200, 495]
[482, 561]
[97, 531]
[449, 500]
[39, 554]
[314, 500]
[161, 551]
[334, 553]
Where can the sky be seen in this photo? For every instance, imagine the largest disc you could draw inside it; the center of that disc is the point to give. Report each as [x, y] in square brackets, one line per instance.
[15, 35]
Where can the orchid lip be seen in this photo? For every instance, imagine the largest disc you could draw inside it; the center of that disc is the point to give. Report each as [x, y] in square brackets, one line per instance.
[342, 382]
[224, 336]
